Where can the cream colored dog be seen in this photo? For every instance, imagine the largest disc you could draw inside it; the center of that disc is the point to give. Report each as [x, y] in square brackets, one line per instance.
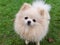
[32, 21]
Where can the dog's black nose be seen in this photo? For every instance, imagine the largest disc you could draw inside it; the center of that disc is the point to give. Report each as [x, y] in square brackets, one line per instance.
[29, 22]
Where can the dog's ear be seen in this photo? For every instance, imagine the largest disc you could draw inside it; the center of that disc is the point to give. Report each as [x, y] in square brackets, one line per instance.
[45, 9]
[42, 12]
[25, 6]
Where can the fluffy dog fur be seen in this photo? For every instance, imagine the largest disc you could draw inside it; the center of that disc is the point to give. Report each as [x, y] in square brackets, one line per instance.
[38, 29]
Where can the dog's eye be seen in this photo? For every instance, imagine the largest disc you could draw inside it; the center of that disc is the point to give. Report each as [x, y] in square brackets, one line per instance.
[26, 17]
[34, 20]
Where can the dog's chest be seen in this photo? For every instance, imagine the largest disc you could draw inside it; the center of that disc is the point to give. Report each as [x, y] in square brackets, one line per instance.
[34, 34]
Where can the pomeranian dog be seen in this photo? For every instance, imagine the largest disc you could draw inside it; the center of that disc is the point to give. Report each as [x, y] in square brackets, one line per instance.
[32, 21]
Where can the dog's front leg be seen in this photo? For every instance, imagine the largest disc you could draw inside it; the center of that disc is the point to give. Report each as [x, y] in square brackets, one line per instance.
[26, 42]
[38, 43]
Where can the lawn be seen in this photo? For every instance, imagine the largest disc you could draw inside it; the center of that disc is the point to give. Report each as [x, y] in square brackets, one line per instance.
[8, 9]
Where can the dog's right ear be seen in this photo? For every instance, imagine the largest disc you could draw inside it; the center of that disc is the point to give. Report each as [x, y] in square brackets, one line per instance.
[25, 6]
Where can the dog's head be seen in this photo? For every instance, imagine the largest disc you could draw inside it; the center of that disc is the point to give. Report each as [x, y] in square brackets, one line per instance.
[32, 16]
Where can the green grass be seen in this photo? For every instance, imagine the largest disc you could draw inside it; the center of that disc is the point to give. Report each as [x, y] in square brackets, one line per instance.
[8, 9]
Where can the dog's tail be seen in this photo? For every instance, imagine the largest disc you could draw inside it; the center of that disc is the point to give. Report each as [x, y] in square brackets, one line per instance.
[41, 4]
[40, 0]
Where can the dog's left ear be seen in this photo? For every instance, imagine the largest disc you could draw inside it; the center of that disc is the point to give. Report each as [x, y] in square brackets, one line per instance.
[41, 11]
[44, 10]
[25, 6]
